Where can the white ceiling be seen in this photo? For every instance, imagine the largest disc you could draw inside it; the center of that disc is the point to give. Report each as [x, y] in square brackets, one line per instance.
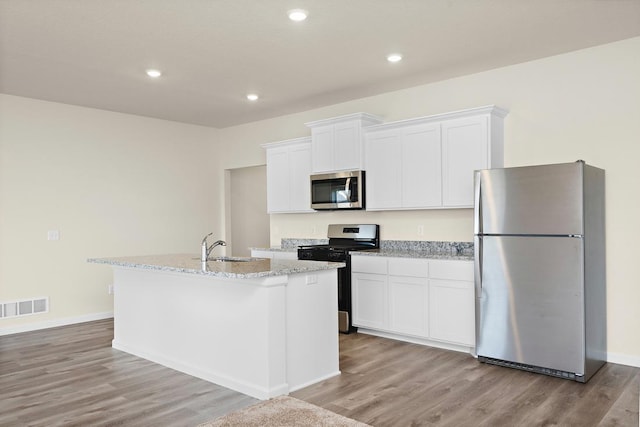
[94, 53]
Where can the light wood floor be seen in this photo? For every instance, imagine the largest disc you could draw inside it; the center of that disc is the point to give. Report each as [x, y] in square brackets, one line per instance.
[71, 376]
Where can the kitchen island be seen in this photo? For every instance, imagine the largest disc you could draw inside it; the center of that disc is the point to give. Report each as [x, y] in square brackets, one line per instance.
[262, 327]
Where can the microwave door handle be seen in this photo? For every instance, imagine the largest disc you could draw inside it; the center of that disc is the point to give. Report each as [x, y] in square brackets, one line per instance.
[347, 188]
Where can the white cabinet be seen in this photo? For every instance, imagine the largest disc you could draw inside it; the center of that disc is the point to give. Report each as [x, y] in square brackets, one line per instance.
[451, 303]
[404, 168]
[337, 142]
[390, 294]
[419, 300]
[384, 170]
[465, 148]
[421, 176]
[288, 171]
[369, 300]
[408, 303]
[428, 162]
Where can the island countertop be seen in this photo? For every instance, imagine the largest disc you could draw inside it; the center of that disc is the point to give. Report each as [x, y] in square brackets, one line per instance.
[191, 264]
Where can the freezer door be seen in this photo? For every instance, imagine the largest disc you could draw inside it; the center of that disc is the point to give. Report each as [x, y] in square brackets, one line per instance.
[530, 200]
[531, 301]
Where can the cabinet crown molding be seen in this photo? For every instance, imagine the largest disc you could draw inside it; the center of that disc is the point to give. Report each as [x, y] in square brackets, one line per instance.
[367, 119]
[286, 142]
[487, 109]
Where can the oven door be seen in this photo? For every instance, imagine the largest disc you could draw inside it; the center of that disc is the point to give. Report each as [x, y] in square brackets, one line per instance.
[342, 190]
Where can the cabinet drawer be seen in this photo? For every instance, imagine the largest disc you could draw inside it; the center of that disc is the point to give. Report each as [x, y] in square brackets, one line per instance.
[408, 267]
[451, 270]
[369, 264]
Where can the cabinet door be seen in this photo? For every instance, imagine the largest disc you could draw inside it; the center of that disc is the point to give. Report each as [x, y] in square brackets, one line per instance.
[384, 170]
[452, 311]
[421, 167]
[299, 184]
[277, 179]
[465, 145]
[369, 300]
[408, 302]
[347, 146]
[322, 148]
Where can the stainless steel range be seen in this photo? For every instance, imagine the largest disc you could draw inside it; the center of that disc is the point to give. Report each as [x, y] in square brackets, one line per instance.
[343, 238]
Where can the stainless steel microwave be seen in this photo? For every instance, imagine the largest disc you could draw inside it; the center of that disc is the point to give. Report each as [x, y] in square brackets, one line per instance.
[339, 190]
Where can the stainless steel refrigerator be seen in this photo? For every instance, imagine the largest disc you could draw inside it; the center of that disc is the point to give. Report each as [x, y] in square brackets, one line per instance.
[540, 268]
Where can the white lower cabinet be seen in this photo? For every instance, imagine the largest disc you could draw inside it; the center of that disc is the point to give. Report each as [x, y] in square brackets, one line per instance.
[419, 300]
[408, 302]
[452, 311]
[369, 308]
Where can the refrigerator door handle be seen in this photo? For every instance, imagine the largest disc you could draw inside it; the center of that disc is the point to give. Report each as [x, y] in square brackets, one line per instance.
[477, 206]
[477, 264]
[477, 279]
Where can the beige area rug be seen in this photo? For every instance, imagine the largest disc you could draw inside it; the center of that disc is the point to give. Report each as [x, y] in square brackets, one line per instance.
[283, 411]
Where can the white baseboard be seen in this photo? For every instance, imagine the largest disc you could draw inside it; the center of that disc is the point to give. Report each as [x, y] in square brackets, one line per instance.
[36, 326]
[621, 359]
[624, 359]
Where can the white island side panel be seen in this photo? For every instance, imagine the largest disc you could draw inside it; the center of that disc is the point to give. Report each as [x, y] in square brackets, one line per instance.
[263, 337]
[229, 332]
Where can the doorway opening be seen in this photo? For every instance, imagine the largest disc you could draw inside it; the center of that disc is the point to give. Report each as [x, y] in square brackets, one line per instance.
[247, 221]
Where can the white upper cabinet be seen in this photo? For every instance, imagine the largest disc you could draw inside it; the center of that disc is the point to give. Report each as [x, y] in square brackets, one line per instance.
[428, 162]
[337, 142]
[288, 171]
[384, 170]
[404, 168]
[465, 148]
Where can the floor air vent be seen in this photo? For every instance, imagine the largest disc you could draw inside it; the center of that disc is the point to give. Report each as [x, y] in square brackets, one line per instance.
[23, 307]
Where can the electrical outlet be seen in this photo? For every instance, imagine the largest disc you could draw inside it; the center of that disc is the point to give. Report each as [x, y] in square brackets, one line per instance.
[53, 235]
[110, 289]
[421, 230]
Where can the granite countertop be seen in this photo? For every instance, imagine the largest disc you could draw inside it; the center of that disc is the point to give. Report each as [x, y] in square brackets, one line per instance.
[399, 253]
[461, 251]
[190, 264]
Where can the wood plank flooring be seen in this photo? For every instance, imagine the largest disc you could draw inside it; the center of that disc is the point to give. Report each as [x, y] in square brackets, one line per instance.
[70, 376]
[389, 383]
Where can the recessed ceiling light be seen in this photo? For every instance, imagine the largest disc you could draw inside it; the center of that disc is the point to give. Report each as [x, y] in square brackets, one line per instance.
[154, 73]
[394, 57]
[297, 15]
[252, 97]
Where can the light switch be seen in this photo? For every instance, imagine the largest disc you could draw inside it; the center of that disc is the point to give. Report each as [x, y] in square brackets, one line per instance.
[53, 235]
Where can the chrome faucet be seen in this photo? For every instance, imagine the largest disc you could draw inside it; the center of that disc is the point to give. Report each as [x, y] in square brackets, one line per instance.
[205, 250]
